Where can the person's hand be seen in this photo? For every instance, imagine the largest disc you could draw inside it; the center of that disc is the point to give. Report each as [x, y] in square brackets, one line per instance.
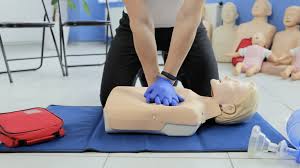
[162, 92]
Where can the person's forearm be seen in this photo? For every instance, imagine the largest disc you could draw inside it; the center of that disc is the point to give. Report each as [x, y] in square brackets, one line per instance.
[145, 46]
[187, 22]
[144, 39]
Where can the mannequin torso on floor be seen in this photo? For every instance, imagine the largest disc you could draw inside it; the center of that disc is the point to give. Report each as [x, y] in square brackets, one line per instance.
[127, 111]
[224, 36]
[283, 42]
[260, 11]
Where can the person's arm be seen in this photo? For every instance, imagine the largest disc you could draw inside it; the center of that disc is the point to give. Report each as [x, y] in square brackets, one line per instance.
[142, 28]
[187, 22]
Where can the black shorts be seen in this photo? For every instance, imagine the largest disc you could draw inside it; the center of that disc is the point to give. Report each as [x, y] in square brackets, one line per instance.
[122, 66]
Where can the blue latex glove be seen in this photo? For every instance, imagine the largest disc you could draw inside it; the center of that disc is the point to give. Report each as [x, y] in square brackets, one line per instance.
[162, 92]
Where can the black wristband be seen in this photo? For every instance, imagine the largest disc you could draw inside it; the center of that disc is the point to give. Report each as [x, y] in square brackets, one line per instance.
[169, 76]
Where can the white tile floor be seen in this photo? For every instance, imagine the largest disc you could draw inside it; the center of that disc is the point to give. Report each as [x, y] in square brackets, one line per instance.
[278, 99]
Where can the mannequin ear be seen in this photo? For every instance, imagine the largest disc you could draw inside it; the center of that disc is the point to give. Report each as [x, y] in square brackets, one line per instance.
[228, 108]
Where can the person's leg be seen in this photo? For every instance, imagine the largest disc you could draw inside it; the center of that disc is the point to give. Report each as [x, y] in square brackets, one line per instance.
[122, 64]
[200, 65]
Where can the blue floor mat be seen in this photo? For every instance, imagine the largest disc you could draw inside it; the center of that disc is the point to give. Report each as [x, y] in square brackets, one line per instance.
[84, 128]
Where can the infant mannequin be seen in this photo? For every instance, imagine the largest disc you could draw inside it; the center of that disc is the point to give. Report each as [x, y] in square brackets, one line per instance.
[126, 110]
[254, 56]
[294, 69]
[283, 42]
[224, 36]
[260, 11]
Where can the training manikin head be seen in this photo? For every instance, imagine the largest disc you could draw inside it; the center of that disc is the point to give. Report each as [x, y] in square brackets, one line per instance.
[229, 13]
[292, 16]
[262, 8]
[238, 100]
[259, 39]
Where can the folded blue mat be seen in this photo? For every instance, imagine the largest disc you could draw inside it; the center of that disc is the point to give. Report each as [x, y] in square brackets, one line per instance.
[84, 128]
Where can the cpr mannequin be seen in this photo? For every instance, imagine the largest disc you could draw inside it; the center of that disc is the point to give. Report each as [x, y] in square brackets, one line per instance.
[254, 56]
[294, 69]
[224, 36]
[126, 110]
[260, 11]
[283, 42]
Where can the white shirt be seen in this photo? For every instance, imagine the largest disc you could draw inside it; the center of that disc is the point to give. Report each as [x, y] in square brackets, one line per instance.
[163, 12]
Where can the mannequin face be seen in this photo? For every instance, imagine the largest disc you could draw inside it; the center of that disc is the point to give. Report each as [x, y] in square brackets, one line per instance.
[229, 13]
[229, 91]
[261, 8]
[259, 39]
[291, 17]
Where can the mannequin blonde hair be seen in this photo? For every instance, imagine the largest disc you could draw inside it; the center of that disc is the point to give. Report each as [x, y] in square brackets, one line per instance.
[243, 110]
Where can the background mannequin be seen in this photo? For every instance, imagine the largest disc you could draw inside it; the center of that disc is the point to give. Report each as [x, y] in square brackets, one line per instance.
[224, 36]
[126, 111]
[260, 11]
[254, 56]
[284, 41]
[294, 69]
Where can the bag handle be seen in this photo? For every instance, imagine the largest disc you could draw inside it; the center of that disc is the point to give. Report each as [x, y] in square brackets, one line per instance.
[43, 139]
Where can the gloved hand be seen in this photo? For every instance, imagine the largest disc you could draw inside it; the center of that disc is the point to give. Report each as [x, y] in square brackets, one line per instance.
[162, 92]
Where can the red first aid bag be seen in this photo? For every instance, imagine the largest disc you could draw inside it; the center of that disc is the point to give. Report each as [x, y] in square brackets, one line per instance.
[27, 127]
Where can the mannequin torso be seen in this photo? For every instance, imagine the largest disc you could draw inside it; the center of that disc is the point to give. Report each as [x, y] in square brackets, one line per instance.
[222, 41]
[126, 110]
[260, 11]
[284, 41]
[224, 36]
[247, 30]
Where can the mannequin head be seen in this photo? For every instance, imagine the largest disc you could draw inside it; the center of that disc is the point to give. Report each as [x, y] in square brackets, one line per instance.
[229, 13]
[292, 16]
[262, 8]
[237, 100]
[259, 39]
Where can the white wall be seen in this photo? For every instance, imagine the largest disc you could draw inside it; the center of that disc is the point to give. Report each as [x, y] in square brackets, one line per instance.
[22, 10]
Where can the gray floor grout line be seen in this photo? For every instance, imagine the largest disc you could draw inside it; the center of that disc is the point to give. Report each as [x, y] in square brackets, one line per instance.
[231, 162]
[275, 100]
[158, 157]
[103, 166]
